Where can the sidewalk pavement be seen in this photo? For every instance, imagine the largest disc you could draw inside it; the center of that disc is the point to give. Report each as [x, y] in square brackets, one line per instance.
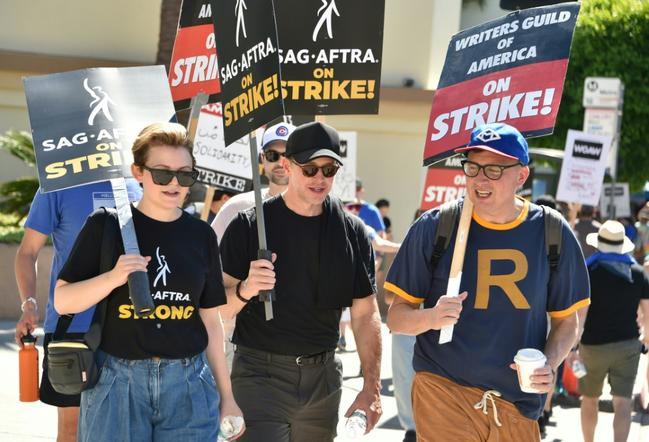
[36, 422]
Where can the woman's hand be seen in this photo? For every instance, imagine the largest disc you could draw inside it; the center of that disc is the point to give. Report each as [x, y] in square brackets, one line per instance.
[126, 264]
[229, 407]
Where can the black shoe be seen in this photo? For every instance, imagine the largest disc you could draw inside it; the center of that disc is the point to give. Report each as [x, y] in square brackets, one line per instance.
[541, 421]
[410, 436]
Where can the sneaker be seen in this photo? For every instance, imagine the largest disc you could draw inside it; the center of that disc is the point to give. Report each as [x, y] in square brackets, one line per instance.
[411, 436]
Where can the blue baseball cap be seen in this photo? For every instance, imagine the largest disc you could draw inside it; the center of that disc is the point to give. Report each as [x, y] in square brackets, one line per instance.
[501, 139]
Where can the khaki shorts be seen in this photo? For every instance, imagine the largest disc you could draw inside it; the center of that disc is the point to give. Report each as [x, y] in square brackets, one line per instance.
[618, 360]
[445, 411]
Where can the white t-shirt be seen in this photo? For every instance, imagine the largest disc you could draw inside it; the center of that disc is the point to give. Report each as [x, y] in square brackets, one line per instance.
[232, 207]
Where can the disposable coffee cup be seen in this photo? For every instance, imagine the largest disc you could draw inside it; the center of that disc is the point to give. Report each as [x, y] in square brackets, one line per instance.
[527, 360]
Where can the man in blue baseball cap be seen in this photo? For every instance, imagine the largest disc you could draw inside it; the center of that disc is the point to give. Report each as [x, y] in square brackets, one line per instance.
[466, 389]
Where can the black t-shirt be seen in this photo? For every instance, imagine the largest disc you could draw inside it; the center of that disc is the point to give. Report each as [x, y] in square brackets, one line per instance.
[299, 325]
[614, 306]
[184, 275]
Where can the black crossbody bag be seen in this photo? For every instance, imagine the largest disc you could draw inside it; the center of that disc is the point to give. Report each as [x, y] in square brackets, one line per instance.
[71, 365]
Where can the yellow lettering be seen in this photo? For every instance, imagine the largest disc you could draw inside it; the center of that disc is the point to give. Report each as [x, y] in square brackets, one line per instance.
[162, 312]
[312, 90]
[188, 312]
[125, 311]
[176, 312]
[506, 282]
[55, 170]
[98, 160]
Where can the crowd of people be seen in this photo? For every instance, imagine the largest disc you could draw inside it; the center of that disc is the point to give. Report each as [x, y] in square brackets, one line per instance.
[176, 378]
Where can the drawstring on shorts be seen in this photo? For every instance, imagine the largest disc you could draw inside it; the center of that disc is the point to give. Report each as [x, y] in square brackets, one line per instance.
[483, 403]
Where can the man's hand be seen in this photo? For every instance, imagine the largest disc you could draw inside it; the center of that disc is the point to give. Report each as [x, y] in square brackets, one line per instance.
[446, 311]
[261, 276]
[27, 323]
[542, 379]
[370, 403]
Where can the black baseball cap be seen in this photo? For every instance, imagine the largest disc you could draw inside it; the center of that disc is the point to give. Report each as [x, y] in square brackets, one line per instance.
[313, 140]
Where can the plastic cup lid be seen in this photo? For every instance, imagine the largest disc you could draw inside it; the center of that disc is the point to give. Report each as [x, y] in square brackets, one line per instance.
[529, 355]
[28, 339]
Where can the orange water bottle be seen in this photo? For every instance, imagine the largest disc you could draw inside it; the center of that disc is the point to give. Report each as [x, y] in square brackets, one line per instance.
[28, 369]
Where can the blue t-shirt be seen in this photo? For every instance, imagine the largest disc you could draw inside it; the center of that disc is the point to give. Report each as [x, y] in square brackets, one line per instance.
[62, 214]
[507, 277]
[371, 216]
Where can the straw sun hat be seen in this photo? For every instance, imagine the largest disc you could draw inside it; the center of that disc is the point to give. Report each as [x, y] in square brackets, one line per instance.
[610, 238]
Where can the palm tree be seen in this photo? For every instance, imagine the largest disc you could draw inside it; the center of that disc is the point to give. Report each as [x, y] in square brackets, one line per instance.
[16, 196]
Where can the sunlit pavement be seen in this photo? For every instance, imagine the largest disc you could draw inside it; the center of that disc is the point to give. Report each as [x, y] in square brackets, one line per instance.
[32, 422]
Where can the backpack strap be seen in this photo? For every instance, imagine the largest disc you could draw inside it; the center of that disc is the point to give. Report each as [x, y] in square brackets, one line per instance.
[553, 222]
[449, 213]
[108, 246]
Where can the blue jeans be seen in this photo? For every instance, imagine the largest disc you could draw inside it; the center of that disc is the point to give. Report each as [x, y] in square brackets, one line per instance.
[403, 348]
[152, 399]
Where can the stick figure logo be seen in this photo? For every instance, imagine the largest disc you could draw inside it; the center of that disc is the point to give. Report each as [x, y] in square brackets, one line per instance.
[163, 268]
[239, 7]
[100, 100]
[327, 9]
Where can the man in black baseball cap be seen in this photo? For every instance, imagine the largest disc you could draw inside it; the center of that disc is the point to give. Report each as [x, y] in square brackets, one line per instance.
[322, 262]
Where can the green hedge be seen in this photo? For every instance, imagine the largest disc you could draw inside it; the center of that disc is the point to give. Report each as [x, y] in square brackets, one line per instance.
[611, 40]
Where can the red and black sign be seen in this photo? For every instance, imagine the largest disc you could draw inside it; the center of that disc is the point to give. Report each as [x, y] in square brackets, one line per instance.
[194, 67]
[508, 70]
[444, 182]
[246, 41]
[330, 52]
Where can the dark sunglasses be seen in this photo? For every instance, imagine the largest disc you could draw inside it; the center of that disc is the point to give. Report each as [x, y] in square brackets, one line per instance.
[162, 177]
[353, 206]
[491, 171]
[272, 155]
[309, 170]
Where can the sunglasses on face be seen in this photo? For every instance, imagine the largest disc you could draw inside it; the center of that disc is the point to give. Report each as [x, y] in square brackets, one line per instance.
[491, 171]
[272, 155]
[162, 177]
[309, 170]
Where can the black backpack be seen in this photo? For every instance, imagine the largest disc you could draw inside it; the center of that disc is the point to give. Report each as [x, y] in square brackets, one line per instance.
[449, 213]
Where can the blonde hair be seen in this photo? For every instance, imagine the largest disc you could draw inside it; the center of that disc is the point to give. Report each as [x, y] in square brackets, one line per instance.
[159, 134]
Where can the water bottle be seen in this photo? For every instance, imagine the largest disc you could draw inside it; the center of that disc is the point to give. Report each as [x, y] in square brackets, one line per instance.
[230, 426]
[579, 369]
[356, 424]
[28, 369]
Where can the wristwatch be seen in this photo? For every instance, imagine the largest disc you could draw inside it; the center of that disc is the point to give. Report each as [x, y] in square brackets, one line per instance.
[30, 299]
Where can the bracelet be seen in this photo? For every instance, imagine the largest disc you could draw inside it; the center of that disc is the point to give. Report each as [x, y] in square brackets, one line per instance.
[238, 293]
[30, 299]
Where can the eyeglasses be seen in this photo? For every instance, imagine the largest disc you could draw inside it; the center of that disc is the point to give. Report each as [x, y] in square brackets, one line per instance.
[309, 170]
[162, 177]
[272, 155]
[491, 171]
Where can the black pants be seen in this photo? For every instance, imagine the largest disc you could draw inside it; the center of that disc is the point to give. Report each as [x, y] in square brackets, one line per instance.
[286, 402]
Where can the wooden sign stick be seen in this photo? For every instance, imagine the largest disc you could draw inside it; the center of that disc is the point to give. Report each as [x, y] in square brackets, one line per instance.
[457, 262]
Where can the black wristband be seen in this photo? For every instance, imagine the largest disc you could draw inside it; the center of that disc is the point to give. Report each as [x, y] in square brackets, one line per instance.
[236, 292]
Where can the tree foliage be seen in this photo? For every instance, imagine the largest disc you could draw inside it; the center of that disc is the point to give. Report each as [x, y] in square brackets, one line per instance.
[16, 196]
[611, 41]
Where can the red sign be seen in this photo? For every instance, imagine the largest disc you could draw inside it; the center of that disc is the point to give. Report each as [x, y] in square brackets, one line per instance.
[194, 67]
[442, 185]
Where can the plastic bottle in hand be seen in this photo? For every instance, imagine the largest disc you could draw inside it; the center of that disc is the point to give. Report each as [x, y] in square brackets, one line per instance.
[230, 426]
[28, 369]
[356, 424]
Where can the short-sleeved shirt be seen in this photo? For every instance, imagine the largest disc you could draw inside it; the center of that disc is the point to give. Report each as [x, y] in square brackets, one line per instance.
[614, 305]
[371, 216]
[62, 214]
[299, 326]
[510, 291]
[231, 209]
[184, 275]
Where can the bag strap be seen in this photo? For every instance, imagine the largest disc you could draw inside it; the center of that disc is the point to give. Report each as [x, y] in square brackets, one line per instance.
[553, 222]
[449, 213]
[107, 250]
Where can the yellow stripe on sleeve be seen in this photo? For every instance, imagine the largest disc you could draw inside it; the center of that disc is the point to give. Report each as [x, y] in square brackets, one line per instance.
[570, 310]
[397, 291]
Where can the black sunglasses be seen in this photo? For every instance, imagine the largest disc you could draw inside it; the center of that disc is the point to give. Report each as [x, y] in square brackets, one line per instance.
[162, 177]
[272, 155]
[309, 170]
[491, 171]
